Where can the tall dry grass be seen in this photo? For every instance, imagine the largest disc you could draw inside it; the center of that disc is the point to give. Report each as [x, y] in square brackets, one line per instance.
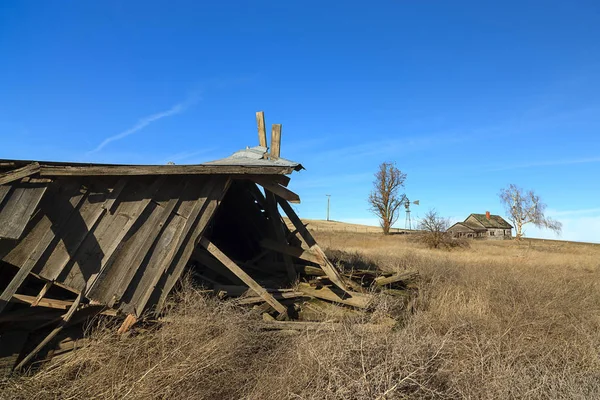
[495, 321]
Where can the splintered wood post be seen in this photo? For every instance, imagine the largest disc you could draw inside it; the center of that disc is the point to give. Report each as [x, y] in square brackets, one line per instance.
[65, 319]
[247, 279]
[262, 133]
[41, 294]
[130, 320]
[276, 140]
[329, 269]
[280, 234]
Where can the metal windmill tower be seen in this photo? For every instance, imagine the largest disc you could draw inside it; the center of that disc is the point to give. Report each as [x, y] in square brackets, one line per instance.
[407, 203]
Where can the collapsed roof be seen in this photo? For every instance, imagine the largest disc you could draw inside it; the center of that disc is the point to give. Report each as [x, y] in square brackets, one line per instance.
[115, 239]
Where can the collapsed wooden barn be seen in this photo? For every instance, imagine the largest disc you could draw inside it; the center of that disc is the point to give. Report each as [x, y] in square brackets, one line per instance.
[78, 240]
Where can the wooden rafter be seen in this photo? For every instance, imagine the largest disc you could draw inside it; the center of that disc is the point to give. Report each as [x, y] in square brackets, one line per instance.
[19, 173]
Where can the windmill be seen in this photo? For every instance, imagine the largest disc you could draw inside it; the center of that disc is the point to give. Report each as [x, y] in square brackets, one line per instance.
[407, 203]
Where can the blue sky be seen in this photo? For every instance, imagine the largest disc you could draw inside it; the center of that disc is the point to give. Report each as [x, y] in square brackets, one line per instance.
[465, 96]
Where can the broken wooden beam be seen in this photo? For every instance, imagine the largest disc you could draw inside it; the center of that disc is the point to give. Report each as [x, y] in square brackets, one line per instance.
[277, 189]
[310, 241]
[19, 173]
[277, 296]
[276, 140]
[402, 276]
[240, 273]
[262, 133]
[360, 300]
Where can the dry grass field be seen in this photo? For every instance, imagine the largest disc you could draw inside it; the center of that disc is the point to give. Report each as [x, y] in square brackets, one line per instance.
[498, 320]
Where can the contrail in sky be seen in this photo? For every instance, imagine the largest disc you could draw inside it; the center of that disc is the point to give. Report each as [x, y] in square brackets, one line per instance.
[144, 122]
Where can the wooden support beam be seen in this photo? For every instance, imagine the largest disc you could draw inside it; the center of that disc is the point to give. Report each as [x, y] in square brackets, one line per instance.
[276, 140]
[310, 241]
[247, 279]
[19, 173]
[277, 224]
[276, 188]
[51, 335]
[138, 170]
[262, 133]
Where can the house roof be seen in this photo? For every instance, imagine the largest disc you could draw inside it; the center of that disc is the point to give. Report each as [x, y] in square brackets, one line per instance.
[495, 221]
[469, 226]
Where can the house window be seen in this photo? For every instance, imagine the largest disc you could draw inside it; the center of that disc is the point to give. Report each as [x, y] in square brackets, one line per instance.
[492, 233]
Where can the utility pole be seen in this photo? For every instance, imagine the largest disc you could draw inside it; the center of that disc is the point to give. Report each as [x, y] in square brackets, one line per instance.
[328, 200]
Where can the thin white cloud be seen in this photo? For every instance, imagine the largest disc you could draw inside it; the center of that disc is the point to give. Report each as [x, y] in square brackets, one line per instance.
[144, 122]
[548, 163]
[584, 211]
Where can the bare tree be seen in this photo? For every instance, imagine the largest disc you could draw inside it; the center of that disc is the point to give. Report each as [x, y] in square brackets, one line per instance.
[526, 208]
[385, 198]
[434, 230]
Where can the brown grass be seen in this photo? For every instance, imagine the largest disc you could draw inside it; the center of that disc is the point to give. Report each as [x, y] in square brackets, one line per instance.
[498, 320]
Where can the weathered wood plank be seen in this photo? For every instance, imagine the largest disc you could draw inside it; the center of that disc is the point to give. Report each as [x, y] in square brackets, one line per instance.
[138, 170]
[110, 283]
[100, 245]
[77, 227]
[262, 133]
[276, 296]
[19, 173]
[179, 262]
[53, 209]
[310, 241]
[3, 192]
[56, 304]
[19, 208]
[240, 273]
[401, 276]
[360, 300]
[60, 201]
[276, 140]
[168, 246]
[114, 194]
[279, 190]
